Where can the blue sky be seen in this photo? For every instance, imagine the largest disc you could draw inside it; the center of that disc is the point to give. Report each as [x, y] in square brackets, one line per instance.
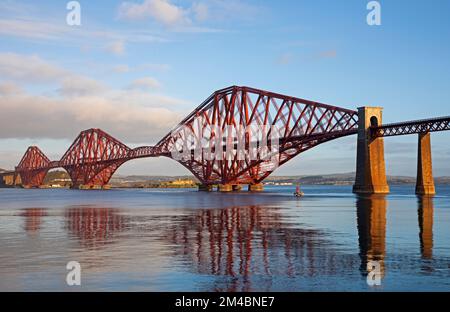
[135, 68]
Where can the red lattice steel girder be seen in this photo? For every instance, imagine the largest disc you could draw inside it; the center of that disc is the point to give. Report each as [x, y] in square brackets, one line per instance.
[93, 158]
[412, 127]
[302, 124]
[33, 167]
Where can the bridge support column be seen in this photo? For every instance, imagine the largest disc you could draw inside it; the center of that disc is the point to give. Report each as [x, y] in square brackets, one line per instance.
[17, 180]
[33, 178]
[370, 164]
[205, 188]
[425, 182]
[237, 187]
[9, 179]
[88, 187]
[256, 187]
[225, 188]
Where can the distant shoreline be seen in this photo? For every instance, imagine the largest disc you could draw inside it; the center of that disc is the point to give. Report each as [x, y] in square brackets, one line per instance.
[60, 179]
[196, 186]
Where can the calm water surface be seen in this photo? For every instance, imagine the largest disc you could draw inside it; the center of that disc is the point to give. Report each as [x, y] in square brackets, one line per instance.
[183, 240]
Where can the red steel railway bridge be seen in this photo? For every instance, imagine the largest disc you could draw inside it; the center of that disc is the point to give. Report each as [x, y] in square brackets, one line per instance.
[94, 155]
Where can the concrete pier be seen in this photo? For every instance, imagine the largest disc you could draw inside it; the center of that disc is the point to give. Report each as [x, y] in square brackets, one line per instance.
[256, 187]
[237, 187]
[92, 187]
[425, 181]
[10, 179]
[370, 164]
[224, 188]
[205, 188]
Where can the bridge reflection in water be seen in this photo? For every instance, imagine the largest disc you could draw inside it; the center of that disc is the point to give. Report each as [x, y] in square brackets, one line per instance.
[371, 217]
[95, 227]
[425, 212]
[33, 219]
[240, 241]
[243, 246]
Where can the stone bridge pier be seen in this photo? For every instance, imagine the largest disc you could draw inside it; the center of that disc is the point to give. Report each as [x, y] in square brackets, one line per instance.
[425, 181]
[370, 163]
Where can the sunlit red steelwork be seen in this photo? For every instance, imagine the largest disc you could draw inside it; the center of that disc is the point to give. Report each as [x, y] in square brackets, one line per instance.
[94, 156]
[33, 167]
[302, 124]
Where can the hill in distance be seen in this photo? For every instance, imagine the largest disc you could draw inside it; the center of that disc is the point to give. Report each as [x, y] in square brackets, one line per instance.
[323, 179]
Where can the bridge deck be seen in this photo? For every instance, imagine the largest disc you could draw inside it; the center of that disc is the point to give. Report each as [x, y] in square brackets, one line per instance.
[412, 127]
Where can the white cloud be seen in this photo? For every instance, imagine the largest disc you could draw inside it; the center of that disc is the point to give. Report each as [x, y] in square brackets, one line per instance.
[121, 68]
[285, 59]
[187, 19]
[201, 11]
[145, 67]
[145, 83]
[32, 29]
[327, 54]
[33, 69]
[116, 47]
[14, 7]
[132, 115]
[161, 11]
[38, 30]
[28, 68]
[80, 86]
[226, 10]
[8, 88]
[154, 67]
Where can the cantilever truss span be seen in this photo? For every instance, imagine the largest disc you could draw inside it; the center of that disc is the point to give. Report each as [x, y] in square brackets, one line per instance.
[300, 124]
